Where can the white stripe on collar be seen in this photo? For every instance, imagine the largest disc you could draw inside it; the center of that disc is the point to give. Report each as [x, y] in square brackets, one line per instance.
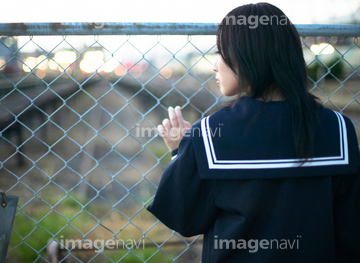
[214, 163]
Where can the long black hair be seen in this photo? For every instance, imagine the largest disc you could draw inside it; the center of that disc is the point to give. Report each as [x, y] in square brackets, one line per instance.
[263, 48]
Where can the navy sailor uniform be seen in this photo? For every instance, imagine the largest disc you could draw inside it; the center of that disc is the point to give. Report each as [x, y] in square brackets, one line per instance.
[236, 180]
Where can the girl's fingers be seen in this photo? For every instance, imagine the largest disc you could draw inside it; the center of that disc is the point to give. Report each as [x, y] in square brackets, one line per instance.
[161, 130]
[173, 118]
[179, 117]
[174, 129]
[166, 124]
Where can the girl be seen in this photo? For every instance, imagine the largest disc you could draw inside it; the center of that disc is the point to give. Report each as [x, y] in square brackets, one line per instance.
[274, 177]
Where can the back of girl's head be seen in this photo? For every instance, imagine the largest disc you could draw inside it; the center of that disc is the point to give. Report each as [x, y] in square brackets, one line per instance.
[263, 49]
[260, 44]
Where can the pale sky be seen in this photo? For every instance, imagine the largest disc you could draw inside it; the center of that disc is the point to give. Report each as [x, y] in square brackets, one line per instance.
[212, 11]
[299, 11]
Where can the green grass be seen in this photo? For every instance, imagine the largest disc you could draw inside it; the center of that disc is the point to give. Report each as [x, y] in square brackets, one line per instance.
[36, 225]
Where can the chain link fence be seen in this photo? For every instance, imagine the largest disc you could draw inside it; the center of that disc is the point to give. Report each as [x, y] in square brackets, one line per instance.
[78, 114]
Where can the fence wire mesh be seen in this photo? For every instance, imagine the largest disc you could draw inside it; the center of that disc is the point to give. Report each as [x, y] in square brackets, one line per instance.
[79, 146]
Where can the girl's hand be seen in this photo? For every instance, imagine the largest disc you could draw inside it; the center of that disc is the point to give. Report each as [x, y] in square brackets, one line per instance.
[174, 129]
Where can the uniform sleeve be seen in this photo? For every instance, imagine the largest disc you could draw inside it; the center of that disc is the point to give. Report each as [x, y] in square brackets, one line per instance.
[346, 203]
[183, 201]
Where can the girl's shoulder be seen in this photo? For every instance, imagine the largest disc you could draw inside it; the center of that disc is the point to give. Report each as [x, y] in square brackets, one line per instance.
[254, 139]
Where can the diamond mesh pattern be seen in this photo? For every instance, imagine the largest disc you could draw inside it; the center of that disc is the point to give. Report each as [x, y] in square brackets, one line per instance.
[78, 133]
